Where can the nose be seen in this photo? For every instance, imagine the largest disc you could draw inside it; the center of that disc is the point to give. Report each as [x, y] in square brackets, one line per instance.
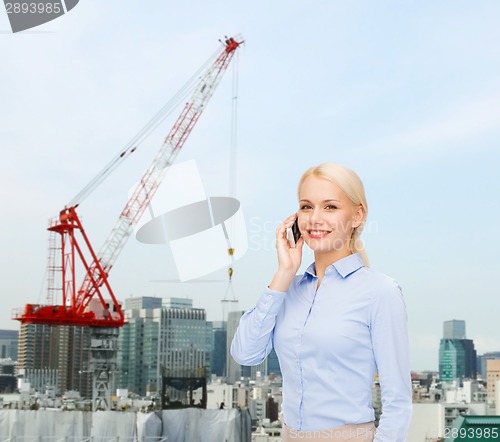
[315, 216]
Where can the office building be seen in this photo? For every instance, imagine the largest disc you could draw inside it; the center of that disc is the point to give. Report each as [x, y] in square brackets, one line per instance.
[219, 352]
[186, 338]
[138, 352]
[167, 337]
[457, 359]
[9, 342]
[457, 355]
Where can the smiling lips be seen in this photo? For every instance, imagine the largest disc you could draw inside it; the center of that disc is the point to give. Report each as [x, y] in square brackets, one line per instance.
[318, 233]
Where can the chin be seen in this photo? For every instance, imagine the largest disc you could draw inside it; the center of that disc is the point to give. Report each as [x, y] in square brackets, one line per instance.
[319, 246]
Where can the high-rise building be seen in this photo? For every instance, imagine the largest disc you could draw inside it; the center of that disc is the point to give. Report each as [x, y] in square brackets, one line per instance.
[186, 338]
[470, 358]
[138, 352]
[219, 352]
[56, 352]
[457, 355]
[171, 337]
[451, 360]
[273, 364]
[454, 329]
[9, 342]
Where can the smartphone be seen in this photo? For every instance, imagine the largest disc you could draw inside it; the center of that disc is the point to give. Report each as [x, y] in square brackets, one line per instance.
[293, 233]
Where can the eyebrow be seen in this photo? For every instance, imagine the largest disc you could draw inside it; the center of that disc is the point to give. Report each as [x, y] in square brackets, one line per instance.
[325, 201]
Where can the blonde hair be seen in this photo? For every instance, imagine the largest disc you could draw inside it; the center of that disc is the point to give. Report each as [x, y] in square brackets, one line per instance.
[352, 185]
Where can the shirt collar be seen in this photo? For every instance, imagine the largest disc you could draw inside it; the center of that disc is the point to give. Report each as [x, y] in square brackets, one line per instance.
[344, 266]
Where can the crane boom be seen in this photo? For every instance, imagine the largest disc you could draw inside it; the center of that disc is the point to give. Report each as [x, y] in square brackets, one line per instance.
[150, 181]
[77, 309]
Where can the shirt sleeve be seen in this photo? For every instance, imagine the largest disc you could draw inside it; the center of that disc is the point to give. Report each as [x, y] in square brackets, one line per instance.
[389, 331]
[253, 339]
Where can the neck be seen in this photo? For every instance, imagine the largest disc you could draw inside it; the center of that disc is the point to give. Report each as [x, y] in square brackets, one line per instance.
[323, 260]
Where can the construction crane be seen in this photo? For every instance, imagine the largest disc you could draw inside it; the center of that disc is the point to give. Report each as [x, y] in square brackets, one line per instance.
[94, 303]
[79, 307]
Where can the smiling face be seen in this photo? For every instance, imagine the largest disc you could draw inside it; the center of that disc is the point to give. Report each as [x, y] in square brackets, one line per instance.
[327, 217]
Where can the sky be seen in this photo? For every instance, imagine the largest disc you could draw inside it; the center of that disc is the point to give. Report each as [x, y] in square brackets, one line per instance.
[406, 93]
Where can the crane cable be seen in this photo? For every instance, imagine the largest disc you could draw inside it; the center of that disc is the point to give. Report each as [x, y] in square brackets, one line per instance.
[134, 143]
[232, 171]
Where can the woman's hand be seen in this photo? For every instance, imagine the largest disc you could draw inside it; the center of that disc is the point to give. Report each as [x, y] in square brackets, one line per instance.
[289, 258]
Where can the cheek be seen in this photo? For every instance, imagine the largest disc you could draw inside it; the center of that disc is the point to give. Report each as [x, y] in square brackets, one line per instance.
[302, 222]
[341, 223]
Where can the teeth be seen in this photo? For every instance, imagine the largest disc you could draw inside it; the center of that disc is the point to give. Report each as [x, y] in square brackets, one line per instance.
[318, 232]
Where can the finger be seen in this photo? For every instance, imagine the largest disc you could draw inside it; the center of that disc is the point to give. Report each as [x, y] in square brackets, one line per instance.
[291, 219]
[300, 242]
[284, 225]
[288, 222]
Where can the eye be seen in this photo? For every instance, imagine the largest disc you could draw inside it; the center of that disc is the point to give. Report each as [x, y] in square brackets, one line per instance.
[305, 207]
[330, 207]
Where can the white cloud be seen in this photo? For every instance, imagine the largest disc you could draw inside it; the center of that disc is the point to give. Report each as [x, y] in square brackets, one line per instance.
[468, 127]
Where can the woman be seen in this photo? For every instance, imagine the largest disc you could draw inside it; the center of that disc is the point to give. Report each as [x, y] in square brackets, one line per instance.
[335, 327]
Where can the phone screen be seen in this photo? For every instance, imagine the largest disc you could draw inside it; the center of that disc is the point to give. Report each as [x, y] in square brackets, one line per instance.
[293, 234]
[296, 231]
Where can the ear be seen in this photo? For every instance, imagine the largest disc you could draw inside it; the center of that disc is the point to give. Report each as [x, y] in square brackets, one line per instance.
[359, 214]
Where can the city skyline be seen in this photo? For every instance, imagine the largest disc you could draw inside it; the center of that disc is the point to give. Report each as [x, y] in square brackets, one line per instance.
[453, 331]
[405, 94]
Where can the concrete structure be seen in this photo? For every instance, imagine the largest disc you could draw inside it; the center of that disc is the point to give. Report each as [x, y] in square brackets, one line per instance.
[470, 392]
[427, 422]
[497, 397]
[481, 362]
[41, 379]
[492, 376]
[219, 395]
[258, 409]
[9, 342]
